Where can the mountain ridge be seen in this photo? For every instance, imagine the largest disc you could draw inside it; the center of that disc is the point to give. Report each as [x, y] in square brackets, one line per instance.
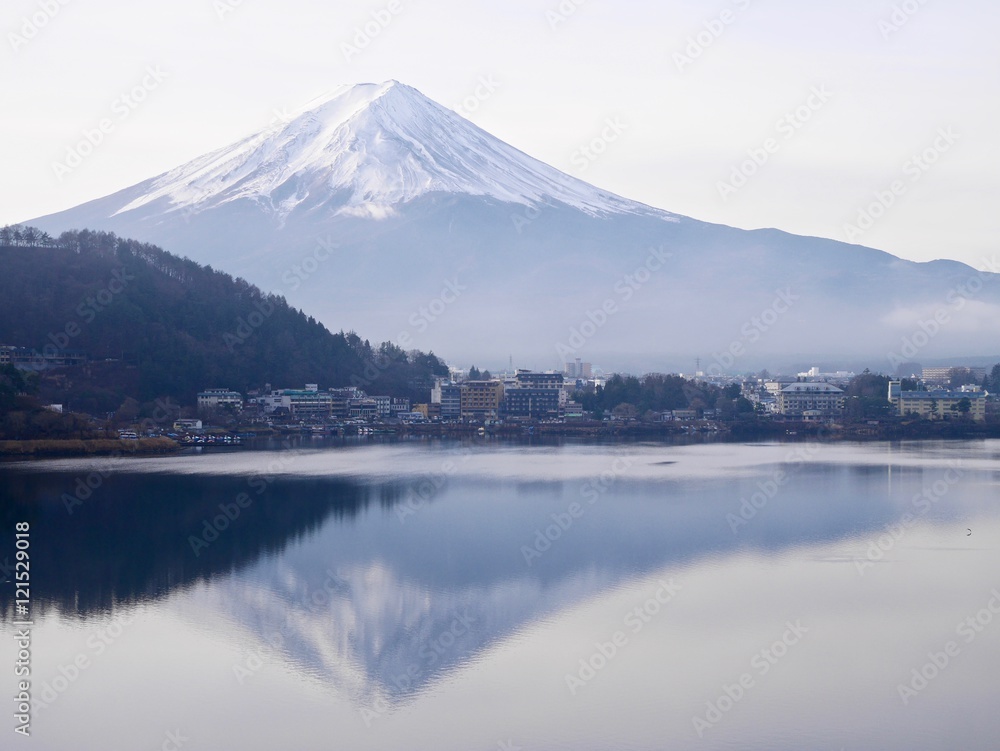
[153, 325]
[390, 194]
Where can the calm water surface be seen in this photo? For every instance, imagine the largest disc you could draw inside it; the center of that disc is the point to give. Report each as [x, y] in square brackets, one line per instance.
[490, 596]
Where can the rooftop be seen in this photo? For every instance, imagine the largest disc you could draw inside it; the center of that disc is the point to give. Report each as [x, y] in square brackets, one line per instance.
[812, 388]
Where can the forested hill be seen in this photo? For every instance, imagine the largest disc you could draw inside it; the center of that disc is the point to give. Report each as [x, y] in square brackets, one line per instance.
[154, 325]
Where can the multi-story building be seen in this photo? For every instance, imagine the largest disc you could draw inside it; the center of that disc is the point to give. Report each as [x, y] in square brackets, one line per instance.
[449, 397]
[384, 405]
[364, 409]
[387, 406]
[937, 404]
[578, 370]
[481, 400]
[341, 399]
[213, 398]
[774, 386]
[49, 357]
[307, 401]
[527, 379]
[534, 395]
[943, 375]
[532, 403]
[816, 399]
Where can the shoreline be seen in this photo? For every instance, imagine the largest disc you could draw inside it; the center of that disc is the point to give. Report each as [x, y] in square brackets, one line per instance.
[694, 432]
[724, 432]
[70, 447]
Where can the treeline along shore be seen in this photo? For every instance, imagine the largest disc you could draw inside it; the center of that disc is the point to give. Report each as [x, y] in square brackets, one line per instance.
[87, 447]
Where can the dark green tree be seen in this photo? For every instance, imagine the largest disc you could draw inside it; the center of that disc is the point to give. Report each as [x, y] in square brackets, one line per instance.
[958, 377]
[13, 384]
[963, 406]
[991, 382]
[155, 325]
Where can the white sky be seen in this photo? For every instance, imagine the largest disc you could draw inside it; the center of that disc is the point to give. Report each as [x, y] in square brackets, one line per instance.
[686, 129]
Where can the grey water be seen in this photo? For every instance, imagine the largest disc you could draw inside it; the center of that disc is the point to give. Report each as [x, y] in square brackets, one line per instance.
[482, 595]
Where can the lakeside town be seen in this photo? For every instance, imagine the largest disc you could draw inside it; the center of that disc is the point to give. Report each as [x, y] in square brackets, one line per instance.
[525, 401]
[549, 397]
[956, 400]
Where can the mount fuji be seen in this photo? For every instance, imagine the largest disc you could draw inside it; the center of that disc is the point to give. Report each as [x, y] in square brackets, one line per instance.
[378, 210]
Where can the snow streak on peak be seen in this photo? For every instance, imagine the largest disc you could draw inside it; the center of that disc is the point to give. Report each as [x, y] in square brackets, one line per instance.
[365, 149]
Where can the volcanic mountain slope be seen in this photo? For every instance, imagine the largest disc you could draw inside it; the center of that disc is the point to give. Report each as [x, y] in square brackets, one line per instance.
[377, 209]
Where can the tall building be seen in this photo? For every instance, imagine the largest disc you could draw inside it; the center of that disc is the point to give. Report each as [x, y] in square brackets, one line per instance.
[481, 400]
[534, 395]
[578, 370]
[449, 398]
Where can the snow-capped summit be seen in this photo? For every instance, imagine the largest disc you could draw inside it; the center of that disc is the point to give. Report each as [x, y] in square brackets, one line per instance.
[363, 150]
[375, 209]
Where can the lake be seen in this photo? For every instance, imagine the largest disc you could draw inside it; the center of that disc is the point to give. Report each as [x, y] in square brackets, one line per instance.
[482, 595]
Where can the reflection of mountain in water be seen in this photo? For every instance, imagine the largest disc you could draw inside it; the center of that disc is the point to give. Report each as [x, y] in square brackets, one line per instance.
[393, 601]
[401, 603]
[130, 540]
[378, 636]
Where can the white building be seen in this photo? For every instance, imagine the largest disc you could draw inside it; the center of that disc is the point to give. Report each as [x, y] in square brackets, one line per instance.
[814, 374]
[818, 399]
[211, 398]
[309, 400]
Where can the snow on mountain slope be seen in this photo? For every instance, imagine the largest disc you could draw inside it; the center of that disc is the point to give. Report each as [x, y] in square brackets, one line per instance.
[371, 147]
[363, 205]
